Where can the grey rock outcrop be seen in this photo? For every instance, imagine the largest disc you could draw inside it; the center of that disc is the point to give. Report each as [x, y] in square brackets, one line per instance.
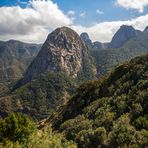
[92, 45]
[63, 51]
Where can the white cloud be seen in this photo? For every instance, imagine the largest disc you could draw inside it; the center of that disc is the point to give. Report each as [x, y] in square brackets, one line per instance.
[99, 12]
[104, 31]
[133, 4]
[71, 12]
[32, 24]
[83, 14]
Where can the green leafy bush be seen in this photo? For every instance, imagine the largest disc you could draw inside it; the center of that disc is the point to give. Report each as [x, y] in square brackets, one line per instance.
[16, 127]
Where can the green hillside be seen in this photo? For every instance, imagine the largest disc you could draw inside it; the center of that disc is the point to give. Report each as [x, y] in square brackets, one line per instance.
[110, 112]
[15, 56]
[40, 96]
[19, 131]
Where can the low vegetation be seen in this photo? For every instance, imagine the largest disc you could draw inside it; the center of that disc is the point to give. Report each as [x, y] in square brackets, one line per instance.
[18, 131]
[39, 97]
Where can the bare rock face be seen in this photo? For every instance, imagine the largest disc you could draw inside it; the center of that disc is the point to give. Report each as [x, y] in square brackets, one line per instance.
[63, 51]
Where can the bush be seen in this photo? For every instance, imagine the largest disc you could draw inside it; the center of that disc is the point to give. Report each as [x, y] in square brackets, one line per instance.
[49, 139]
[16, 127]
[18, 131]
[122, 134]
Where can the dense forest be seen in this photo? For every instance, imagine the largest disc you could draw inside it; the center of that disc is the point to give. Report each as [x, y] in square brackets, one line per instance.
[109, 112]
[40, 96]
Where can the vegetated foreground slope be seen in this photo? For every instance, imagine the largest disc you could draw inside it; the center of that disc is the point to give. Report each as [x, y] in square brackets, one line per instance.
[18, 131]
[111, 112]
[40, 96]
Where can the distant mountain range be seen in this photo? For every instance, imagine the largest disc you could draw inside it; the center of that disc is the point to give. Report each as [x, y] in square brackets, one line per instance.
[124, 34]
[126, 44]
[63, 53]
[16, 56]
[92, 45]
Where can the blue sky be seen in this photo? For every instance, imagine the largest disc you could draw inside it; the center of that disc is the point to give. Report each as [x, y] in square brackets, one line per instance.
[110, 12]
[81, 15]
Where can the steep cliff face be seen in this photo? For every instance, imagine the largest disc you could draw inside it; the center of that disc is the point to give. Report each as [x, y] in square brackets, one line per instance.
[63, 51]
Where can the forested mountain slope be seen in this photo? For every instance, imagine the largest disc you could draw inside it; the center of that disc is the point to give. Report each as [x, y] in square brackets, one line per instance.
[15, 56]
[110, 112]
[38, 97]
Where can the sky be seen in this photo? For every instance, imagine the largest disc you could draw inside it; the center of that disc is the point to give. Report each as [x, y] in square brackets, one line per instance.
[32, 20]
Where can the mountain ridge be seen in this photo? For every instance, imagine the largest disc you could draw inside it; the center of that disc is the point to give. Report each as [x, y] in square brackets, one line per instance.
[15, 56]
[122, 36]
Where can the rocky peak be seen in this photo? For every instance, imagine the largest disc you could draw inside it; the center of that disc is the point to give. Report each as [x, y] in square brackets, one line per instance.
[63, 51]
[85, 38]
[63, 37]
[122, 35]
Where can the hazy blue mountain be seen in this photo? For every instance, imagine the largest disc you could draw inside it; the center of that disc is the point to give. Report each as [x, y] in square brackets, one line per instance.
[98, 45]
[85, 38]
[122, 36]
[108, 59]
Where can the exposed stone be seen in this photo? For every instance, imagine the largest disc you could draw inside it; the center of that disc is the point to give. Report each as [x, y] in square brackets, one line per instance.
[63, 51]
